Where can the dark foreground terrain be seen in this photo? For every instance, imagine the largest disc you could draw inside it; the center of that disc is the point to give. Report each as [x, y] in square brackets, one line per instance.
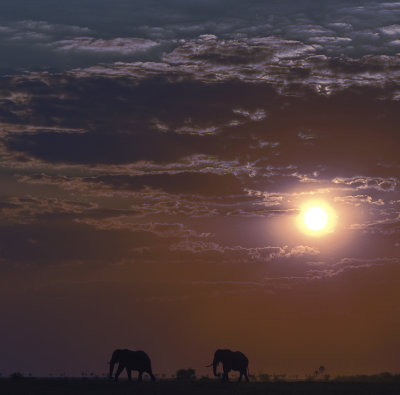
[104, 387]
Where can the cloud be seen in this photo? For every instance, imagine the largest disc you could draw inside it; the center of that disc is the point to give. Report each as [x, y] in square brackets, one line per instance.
[302, 250]
[46, 27]
[26, 210]
[229, 253]
[327, 271]
[258, 115]
[359, 183]
[80, 40]
[261, 254]
[348, 264]
[199, 183]
[170, 230]
[358, 199]
[281, 63]
[392, 30]
[143, 201]
[388, 224]
[122, 46]
[307, 135]
[185, 183]
[133, 133]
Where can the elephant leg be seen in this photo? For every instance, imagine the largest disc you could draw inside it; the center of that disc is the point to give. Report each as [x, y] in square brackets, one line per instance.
[246, 376]
[240, 377]
[119, 370]
[140, 378]
[128, 372]
[226, 375]
[151, 375]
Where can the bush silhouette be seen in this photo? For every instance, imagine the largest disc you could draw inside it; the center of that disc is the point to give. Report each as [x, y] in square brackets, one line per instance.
[264, 377]
[16, 376]
[186, 374]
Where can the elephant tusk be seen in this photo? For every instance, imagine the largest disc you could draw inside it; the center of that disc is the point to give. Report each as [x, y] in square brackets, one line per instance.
[207, 366]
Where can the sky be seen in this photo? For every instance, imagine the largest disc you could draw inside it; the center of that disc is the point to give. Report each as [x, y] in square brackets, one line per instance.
[155, 159]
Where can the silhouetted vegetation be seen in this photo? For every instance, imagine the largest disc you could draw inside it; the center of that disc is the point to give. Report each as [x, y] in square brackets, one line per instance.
[318, 374]
[278, 378]
[186, 374]
[264, 377]
[384, 377]
[16, 376]
[382, 384]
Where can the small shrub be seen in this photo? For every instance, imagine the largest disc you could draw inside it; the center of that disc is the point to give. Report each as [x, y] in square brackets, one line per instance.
[186, 374]
[264, 377]
[16, 376]
[279, 378]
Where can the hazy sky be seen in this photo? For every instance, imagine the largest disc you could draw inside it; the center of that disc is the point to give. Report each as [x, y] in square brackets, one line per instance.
[154, 158]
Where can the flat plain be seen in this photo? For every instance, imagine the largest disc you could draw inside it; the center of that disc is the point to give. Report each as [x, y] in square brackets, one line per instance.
[69, 386]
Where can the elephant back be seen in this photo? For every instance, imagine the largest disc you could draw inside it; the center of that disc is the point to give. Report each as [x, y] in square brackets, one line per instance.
[239, 360]
[137, 360]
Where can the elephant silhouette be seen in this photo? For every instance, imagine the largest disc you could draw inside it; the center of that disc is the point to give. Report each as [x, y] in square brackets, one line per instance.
[131, 360]
[231, 360]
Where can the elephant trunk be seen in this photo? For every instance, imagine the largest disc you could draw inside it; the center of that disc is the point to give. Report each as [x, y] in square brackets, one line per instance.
[215, 365]
[112, 363]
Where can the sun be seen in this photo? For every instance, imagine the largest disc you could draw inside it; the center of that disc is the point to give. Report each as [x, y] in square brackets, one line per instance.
[317, 218]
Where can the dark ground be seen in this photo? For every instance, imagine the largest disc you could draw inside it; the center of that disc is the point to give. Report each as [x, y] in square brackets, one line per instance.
[104, 387]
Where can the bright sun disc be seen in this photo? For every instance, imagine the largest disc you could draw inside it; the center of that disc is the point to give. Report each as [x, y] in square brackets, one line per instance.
[315, 218]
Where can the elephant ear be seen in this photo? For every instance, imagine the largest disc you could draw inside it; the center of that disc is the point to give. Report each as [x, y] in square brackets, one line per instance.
[116, 355]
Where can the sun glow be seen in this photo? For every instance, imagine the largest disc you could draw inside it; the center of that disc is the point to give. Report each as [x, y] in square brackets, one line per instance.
[317, 218]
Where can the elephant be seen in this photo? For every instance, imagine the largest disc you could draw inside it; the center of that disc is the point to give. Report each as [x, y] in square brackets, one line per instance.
[130, 360]
[231, 360]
